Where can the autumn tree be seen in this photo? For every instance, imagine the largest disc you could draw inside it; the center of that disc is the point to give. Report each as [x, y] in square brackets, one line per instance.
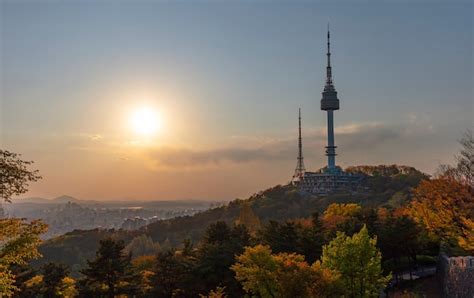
[248, 218]
[19, 242]
[218, 292]
[144, 266]
[110, 273]
[19, 239]
[342, 217]
[345, 210]
[358, 261]
[264, 274]
[142, 245]
[337, 215]
[15, 175]
[445, 207]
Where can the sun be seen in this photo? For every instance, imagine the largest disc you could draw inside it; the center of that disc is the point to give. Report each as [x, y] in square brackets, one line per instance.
[145, 121]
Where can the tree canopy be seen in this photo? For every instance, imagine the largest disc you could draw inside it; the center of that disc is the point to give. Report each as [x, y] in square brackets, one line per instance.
[110, 273]
[19, 241]
[264, 274]
[445, 207]
[15, 175]
[358, 260]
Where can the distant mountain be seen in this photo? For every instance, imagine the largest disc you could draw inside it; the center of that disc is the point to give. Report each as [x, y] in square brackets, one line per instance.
[34, 200]
[165, 204]
[65, 199]
[59, 200]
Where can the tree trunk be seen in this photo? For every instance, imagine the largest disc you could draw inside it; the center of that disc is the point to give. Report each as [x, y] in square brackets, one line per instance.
[111, 291]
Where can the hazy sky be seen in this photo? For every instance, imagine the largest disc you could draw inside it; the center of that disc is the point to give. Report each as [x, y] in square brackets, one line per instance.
[227, 78]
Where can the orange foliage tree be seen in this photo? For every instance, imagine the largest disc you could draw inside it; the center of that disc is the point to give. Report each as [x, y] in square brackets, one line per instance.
[337, 214]
[264, 274]
[445, 207]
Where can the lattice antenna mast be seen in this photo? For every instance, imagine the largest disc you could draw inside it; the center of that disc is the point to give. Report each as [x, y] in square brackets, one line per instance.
[300, 169]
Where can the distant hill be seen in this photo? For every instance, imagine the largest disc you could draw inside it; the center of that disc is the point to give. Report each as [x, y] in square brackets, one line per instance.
[58, 200]
[34, 200]
[65, 199]
[165, 204]
[388, 186]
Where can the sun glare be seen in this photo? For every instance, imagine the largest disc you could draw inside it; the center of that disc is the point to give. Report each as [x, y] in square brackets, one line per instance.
[145, 121]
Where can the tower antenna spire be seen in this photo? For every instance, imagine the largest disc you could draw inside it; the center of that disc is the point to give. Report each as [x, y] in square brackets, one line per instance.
[300, 169]
[328, 67]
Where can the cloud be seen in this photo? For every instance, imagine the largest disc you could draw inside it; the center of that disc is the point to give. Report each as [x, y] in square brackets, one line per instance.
[354, 139]
[183, 157]
[96, 137]
[251, 149]
[367, 135]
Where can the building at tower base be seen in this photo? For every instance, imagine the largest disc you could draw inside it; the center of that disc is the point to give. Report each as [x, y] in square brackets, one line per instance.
[329, 180]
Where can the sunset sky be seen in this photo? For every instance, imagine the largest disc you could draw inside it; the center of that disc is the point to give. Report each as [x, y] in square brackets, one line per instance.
[222, 83]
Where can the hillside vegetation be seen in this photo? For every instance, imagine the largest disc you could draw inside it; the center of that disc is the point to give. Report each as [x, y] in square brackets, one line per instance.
[383, 186]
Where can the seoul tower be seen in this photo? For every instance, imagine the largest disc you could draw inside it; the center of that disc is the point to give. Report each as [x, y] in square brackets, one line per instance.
[330, 103]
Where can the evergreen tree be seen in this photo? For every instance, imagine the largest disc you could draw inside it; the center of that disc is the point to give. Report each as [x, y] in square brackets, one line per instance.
[53, 275]
[399, 237]
[173, 275]
[217, 253]
[294, 237]
[110, 273]
[280, 237]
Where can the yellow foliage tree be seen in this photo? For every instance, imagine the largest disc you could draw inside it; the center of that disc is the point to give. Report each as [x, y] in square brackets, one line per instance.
[337, 214]
[248, 218]
[445, 207]
[264, 274]
[346, 210]
[18, 239]
[18, 244]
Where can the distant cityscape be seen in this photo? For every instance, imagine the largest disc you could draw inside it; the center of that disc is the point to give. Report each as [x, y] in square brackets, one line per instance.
[65, 214]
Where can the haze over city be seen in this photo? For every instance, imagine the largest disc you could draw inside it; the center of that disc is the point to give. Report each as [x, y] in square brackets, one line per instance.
[161, 100]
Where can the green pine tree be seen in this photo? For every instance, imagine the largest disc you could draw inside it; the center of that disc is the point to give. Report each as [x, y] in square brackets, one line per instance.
[111, 273]
[53, 275]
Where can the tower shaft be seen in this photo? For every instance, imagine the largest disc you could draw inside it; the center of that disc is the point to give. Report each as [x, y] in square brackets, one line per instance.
[330, 148]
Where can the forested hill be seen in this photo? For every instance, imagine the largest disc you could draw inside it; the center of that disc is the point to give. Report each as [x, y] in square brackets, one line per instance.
[388, 186]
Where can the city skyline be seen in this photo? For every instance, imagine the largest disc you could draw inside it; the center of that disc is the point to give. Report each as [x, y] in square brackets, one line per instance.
[227, 89]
